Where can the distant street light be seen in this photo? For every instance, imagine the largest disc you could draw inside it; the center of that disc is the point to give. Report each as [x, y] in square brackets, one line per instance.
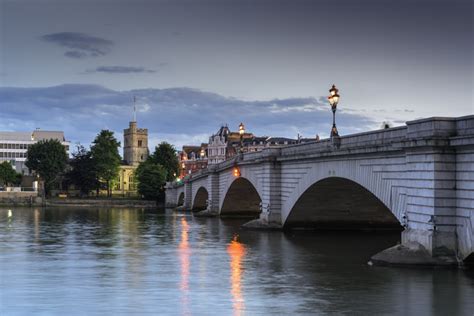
[241, 132]
[333, 100]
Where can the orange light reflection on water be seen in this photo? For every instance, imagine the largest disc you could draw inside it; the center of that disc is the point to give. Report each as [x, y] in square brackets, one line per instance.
[236, 251]
[184, 253]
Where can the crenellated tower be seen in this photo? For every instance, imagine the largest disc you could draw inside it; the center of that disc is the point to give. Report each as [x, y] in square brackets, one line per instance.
[135, 149]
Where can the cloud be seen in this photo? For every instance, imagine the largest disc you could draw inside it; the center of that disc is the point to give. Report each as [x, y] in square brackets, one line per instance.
[121, 70]
[177, 115]
[75, 54]
[80, 45]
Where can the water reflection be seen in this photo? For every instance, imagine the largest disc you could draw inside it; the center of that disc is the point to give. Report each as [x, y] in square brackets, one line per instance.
[133, 262]
[236, 251]
[37, 219]
[184, 253]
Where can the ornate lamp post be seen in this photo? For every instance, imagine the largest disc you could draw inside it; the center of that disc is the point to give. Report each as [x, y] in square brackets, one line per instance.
[333, 100]
[241, 133]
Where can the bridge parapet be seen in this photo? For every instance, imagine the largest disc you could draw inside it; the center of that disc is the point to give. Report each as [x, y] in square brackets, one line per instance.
[433, 127]
[465, 125]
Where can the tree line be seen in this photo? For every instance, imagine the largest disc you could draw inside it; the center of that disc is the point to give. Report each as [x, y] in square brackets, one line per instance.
[96, 168]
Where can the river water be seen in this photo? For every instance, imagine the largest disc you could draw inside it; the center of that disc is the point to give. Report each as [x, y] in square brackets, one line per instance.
[129, 261]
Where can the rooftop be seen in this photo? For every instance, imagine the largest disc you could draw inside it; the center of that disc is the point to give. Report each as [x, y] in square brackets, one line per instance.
[20, 136]
[32, 136]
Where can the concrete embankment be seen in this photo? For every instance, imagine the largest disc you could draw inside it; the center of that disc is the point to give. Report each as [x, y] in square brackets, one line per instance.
[32, 199]
[126, 203]
[20, 198]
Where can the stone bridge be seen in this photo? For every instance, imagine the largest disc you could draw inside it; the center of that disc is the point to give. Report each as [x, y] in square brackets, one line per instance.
[418, 178]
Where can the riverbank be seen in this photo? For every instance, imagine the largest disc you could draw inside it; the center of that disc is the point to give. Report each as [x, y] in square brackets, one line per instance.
[30, 199]
[25, 198]
[93, 202]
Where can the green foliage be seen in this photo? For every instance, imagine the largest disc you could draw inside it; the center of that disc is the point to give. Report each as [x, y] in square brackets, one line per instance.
[165, 155]
[8, 175]
[48, 158]
[105, 155]
[83, 172]
[151, 178]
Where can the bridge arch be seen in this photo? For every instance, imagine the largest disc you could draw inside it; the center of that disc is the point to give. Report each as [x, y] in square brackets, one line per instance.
[181, 199]
[200, 199]
[241, 199]
[340, 203]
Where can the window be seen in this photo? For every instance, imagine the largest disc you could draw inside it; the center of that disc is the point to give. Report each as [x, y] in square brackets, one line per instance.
[140, 143]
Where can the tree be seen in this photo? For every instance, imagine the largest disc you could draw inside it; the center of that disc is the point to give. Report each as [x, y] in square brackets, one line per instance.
[151, 178]
[165, 155]
[83, 172]
[8, 175]
[106, 158]
[48, 158]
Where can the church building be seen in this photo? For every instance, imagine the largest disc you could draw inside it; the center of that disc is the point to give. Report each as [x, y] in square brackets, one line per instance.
[135, 151]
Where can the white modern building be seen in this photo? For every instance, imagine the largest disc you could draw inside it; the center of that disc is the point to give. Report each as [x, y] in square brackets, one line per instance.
[14, 145]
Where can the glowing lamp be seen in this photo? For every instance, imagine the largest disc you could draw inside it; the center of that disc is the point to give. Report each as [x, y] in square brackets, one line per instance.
[236, 172]
[241, 129]
[333, 100]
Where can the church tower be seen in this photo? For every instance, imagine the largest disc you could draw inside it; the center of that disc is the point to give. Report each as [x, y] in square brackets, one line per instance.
[135, 149]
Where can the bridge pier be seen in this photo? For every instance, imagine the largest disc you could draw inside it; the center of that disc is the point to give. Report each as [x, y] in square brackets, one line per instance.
[213, 195]
[430, 233]
[271, 184]
[171, 197]
[270, 217]
[213, 204]
[188, 195]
